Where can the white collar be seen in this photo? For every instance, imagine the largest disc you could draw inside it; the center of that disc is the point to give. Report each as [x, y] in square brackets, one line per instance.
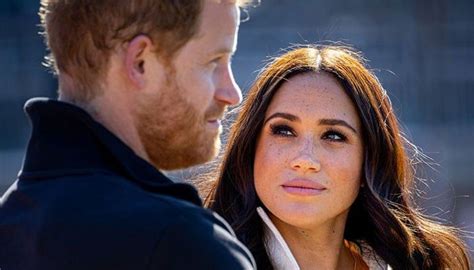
[282, 259]
[278, 251]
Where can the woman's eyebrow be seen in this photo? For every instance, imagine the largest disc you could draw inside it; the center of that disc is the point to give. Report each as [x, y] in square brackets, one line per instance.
[324, 122]
[336, 122]
[287, 116]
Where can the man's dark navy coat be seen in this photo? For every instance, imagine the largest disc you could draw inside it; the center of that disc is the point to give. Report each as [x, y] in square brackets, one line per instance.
[83, 200]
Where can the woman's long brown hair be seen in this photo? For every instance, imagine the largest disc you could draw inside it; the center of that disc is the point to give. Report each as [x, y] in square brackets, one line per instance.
[383, 215]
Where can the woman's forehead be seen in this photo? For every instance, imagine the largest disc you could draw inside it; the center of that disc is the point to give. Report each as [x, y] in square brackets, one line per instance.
[313, 94]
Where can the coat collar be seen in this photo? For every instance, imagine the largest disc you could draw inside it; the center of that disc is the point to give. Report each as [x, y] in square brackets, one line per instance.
[66, 140]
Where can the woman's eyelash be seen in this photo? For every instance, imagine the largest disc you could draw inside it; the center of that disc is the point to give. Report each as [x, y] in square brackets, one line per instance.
[282, 130]
[287, 131]
[335, 136]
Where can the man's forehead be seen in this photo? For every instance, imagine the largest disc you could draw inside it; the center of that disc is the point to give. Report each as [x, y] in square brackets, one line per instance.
[217, 34]
[221, 17]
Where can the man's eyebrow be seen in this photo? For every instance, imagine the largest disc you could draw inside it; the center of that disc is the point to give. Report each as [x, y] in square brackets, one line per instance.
[336, 122]
[220, 52]
[287, 116]
[224, 50]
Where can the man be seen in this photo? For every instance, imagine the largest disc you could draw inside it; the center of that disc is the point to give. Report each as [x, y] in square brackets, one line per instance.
[143, 86]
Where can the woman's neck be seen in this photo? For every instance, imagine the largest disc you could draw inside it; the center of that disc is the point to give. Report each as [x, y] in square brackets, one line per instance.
[321, 247]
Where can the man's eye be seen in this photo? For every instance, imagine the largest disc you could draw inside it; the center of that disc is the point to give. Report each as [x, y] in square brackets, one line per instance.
[282, 130]
[334, 136]
[212, 64]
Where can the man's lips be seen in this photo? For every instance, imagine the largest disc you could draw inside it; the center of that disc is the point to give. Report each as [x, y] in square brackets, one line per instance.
[215, 115]
[303, 187]
[215, 122]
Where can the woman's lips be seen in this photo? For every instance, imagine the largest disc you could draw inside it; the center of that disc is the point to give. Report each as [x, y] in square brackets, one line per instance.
[303, 187]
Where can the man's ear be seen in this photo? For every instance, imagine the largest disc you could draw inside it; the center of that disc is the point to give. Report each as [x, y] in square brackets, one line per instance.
[137, 53]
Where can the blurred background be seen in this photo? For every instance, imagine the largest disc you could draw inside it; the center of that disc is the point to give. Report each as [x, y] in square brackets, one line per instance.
[422, 51]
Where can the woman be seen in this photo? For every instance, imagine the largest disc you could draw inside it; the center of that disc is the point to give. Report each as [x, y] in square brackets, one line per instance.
[316, 173]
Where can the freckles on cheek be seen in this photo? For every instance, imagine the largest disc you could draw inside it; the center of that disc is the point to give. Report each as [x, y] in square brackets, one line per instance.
[273, 155]
[345, 170]
[267, 163]
[265, 156]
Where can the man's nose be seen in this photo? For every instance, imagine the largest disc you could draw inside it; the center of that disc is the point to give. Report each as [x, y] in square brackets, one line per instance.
[227, 90]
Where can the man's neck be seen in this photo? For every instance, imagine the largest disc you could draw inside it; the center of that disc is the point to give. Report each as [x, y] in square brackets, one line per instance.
[115, 115]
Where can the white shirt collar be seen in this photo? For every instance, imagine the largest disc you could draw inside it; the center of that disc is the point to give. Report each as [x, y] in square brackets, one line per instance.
[282, 259]
[278, 251]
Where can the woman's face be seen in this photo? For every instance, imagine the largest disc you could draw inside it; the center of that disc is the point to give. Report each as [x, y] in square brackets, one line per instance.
[309, 154]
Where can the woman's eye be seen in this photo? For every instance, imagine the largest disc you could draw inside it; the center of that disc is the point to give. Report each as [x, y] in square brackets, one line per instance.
[282, 130]
[334, 136]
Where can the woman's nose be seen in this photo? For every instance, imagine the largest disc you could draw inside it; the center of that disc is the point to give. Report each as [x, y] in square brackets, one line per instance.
[306, 163]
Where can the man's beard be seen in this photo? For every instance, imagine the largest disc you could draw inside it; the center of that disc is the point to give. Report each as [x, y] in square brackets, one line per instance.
[174, 132]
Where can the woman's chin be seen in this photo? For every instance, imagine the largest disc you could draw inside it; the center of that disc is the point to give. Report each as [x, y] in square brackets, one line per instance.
[301, 217]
